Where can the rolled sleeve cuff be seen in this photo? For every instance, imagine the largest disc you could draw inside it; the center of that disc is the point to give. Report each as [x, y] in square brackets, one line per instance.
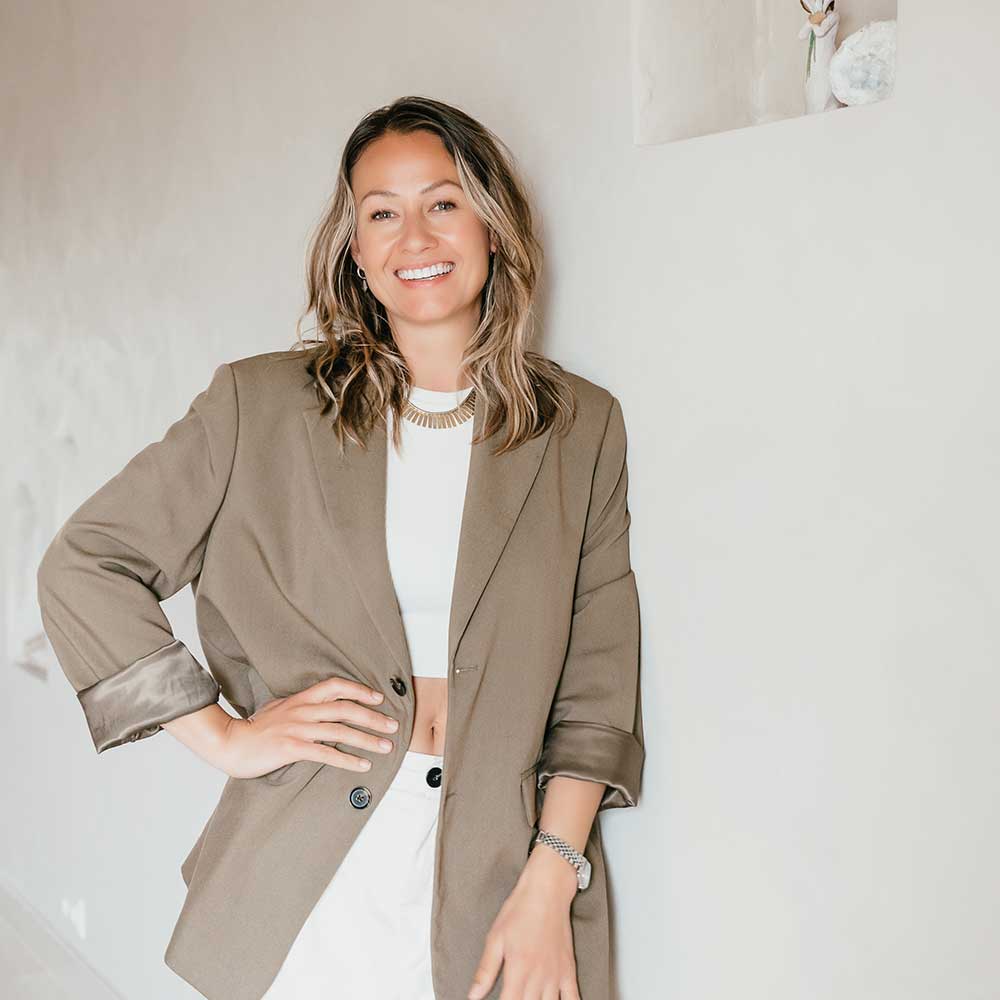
[595, 752]
[135, 702]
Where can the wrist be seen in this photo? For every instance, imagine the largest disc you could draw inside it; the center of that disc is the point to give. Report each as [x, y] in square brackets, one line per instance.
[227, 738]
[549, 872]
[207, 733]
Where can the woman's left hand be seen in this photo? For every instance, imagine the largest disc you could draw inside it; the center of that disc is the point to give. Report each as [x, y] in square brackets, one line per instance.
[532, 937]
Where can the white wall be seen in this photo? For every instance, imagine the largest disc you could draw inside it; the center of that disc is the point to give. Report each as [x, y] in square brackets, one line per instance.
[799, 321]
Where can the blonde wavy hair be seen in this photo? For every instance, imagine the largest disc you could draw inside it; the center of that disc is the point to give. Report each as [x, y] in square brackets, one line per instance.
[357, 368]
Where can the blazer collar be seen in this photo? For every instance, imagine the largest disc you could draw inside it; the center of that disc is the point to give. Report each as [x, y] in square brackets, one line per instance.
[354, 491]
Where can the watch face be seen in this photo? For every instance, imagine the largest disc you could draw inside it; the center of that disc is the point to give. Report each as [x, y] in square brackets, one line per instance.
[585, 874]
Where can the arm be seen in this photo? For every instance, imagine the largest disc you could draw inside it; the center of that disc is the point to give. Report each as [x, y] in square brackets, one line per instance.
[594, 748]
[595, 729]
[137, 541]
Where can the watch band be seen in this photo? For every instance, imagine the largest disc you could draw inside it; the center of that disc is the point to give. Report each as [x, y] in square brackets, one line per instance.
[574, 857]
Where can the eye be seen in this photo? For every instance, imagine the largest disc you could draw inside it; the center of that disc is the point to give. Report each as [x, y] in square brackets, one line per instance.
[384, 211]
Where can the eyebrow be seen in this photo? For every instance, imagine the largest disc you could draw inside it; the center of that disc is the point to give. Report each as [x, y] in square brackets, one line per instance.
[392, 194]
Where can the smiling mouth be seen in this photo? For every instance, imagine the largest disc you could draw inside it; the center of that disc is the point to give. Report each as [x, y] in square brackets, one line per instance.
[427, 274]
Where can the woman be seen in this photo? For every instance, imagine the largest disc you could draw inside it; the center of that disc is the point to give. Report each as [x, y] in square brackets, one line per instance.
[431, 567]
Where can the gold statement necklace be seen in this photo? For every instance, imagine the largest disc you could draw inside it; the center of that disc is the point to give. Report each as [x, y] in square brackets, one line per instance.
[441, 418]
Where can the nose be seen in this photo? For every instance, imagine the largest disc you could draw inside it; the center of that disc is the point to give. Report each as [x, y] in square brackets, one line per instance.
[416, 236]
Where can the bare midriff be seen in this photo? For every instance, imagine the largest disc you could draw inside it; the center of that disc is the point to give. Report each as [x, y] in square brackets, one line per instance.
[431, 701]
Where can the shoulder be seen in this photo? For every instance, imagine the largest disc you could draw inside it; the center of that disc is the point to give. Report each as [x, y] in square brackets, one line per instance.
[272, 365]
[596, 406]
[591, 393]
[281, 373]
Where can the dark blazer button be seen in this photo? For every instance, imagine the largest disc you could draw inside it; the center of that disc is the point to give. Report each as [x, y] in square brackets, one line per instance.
[434, 777]
[398, 685]
[360, 797]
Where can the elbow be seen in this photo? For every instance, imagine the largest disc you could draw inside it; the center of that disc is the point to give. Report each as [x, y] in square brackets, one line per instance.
[134, 703]
[595, 752]
[49, 571]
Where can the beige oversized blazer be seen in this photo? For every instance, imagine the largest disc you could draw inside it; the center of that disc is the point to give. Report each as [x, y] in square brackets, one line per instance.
[283, 542]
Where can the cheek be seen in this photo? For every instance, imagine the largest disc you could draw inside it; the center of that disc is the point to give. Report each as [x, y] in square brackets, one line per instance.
[375, 246]
[472, 235]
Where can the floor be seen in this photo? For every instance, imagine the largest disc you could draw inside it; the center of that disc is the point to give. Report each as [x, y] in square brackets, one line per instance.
[35, 964]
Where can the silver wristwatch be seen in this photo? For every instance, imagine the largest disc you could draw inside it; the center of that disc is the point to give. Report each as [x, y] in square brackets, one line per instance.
[575, 858]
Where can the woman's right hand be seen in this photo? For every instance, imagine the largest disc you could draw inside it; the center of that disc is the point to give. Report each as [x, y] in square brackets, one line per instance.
[285, 730]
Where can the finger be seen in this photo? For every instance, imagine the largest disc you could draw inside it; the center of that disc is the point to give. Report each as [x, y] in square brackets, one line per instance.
[336, 732]
[330, 755]
[347, 711]
[339, 687]
[486, 972]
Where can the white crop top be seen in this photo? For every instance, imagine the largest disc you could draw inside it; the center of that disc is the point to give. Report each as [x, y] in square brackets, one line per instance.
[425, 498]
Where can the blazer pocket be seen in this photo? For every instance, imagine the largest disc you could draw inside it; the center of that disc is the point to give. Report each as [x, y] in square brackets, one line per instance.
[529, 794]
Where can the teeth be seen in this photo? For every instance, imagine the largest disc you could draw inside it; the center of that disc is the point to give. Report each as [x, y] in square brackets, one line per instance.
[425, 272]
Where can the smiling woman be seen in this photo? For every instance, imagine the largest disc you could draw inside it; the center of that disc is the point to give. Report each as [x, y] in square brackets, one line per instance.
[409, 542]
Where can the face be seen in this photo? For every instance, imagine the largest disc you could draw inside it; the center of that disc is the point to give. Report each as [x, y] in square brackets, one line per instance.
[412, 213]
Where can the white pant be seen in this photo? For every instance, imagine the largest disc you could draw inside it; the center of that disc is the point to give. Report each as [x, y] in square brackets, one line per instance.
[368, 937]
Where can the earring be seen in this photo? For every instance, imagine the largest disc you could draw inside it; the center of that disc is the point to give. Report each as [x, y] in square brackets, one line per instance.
[361, 275]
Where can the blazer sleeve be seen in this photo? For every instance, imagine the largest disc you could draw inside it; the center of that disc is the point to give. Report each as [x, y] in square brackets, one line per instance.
[137, 541]
[594, 728]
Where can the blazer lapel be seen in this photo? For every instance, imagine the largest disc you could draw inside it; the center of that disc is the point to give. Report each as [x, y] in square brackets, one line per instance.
[354, 492]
